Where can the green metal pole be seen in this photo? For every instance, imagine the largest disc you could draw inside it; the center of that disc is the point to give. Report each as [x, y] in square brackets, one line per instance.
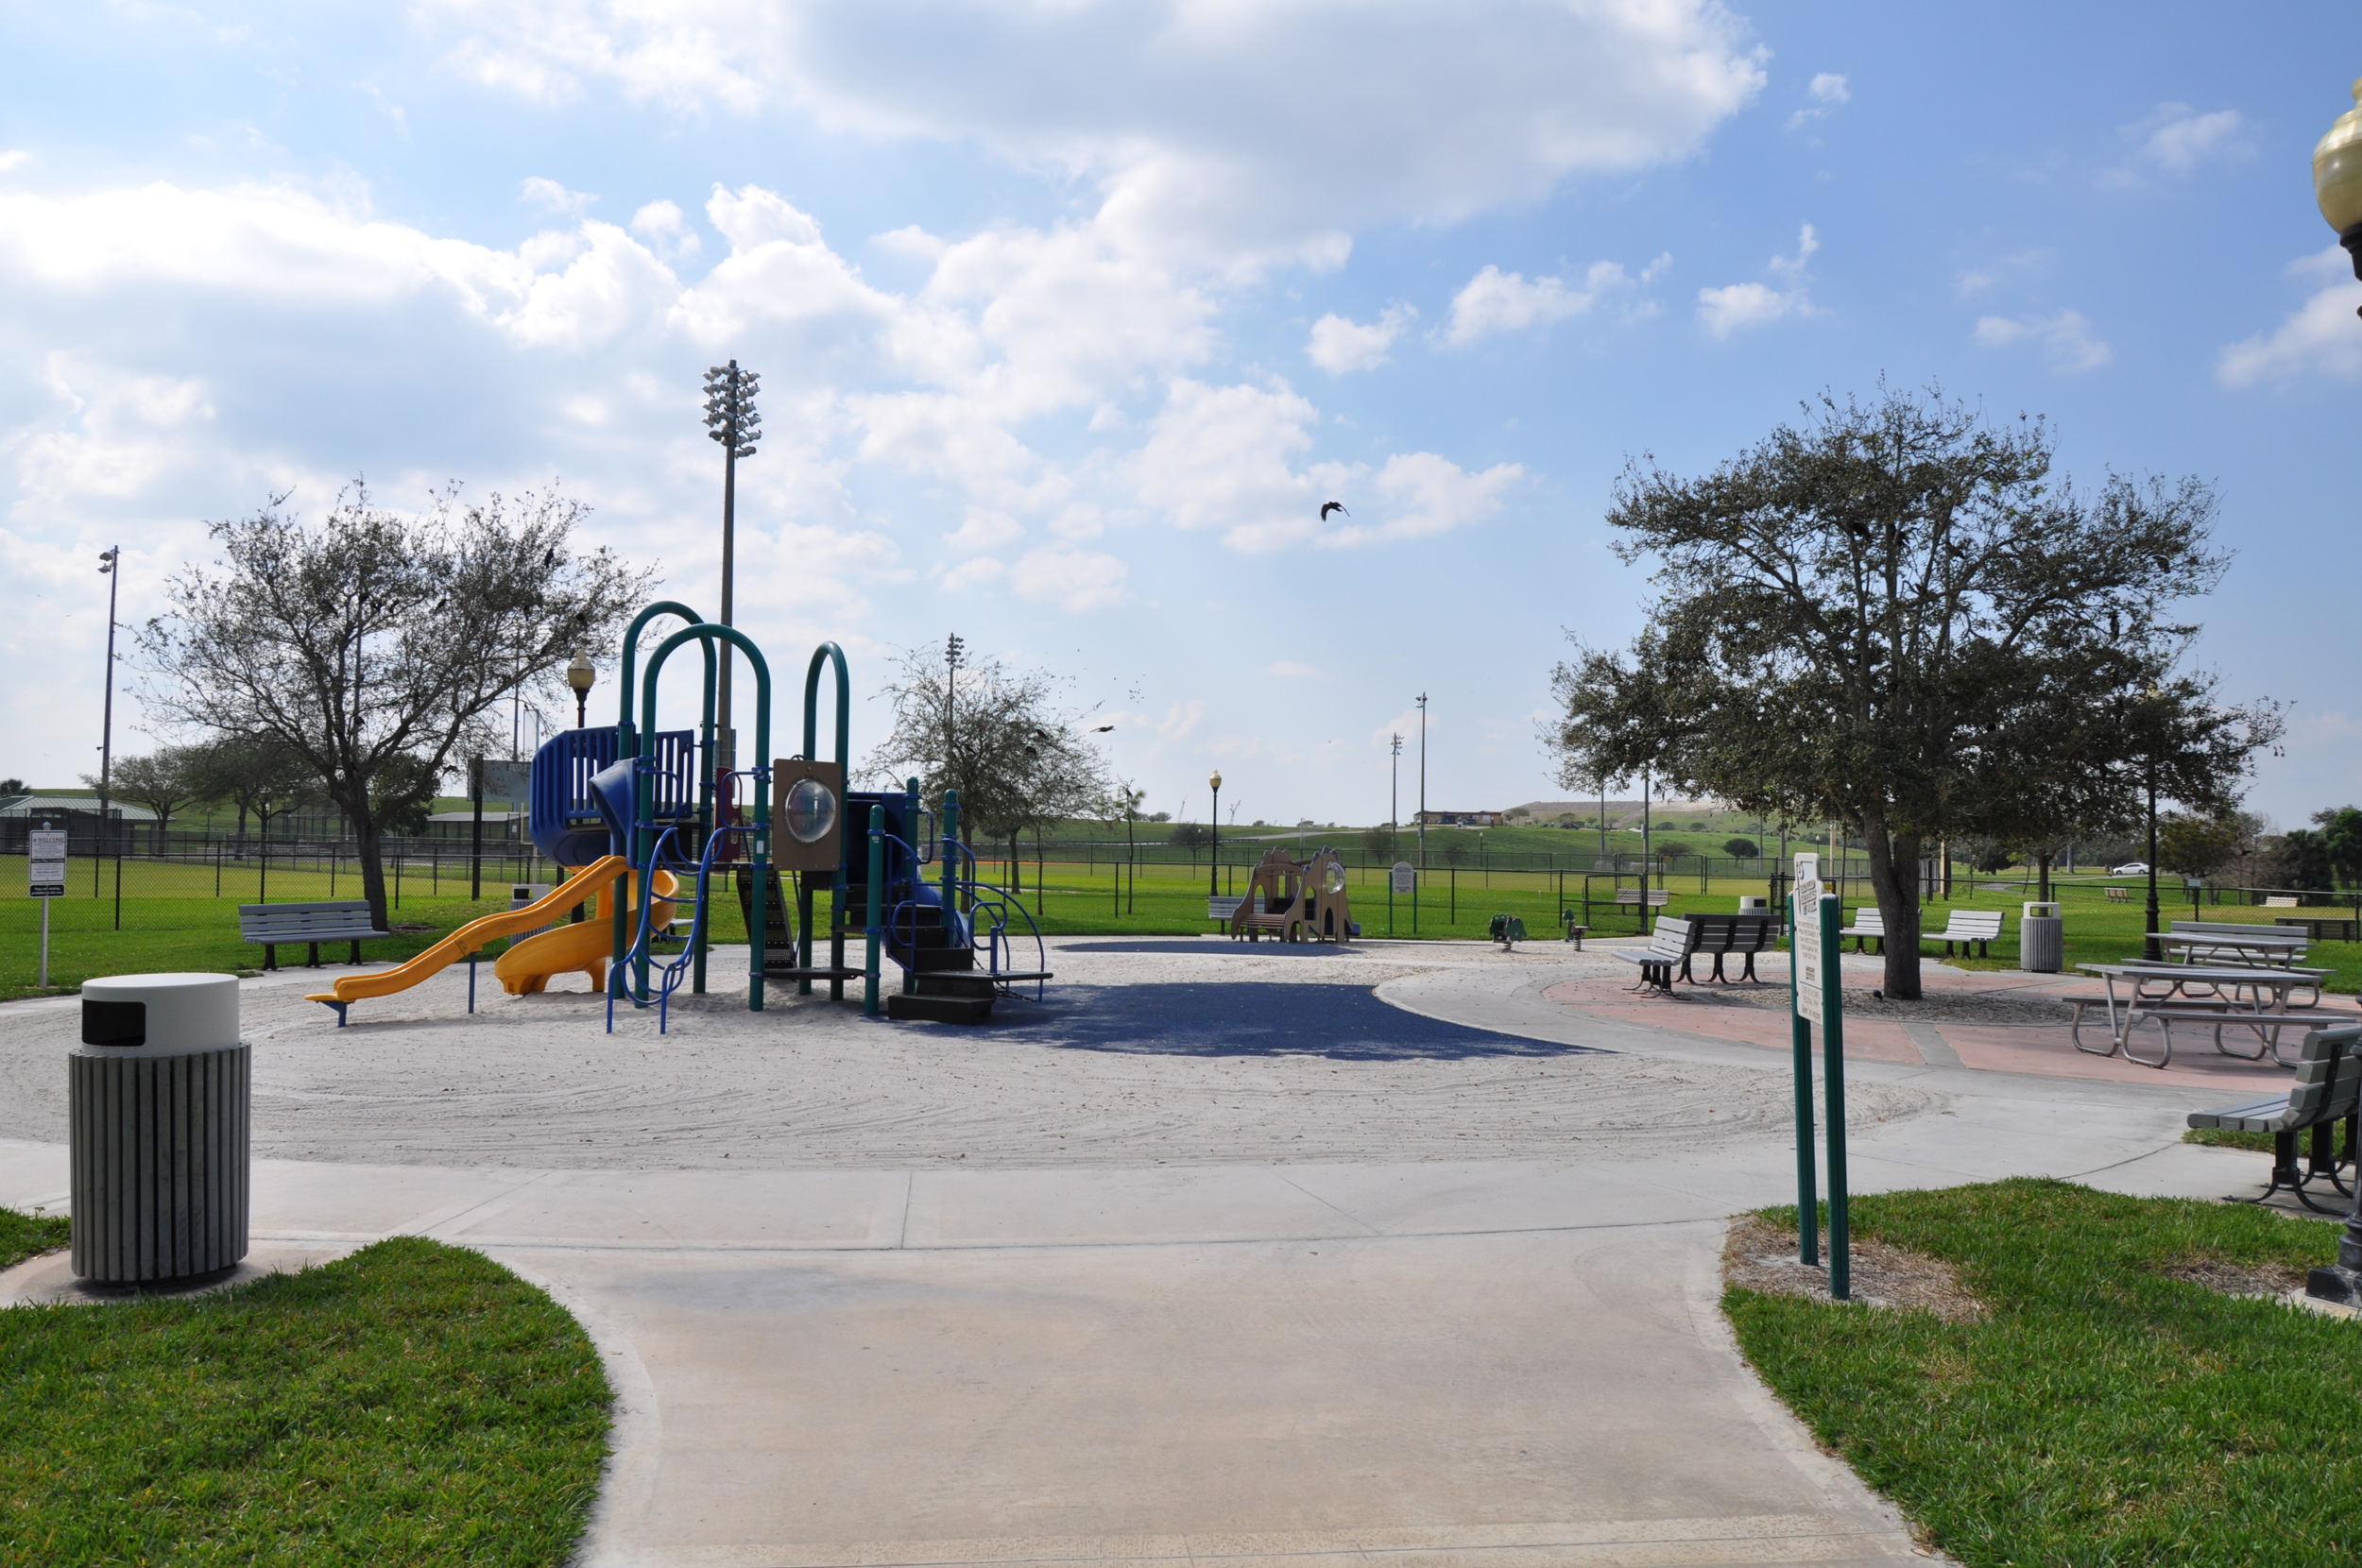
[1800, 1038]
[628, 746]
[876, 911]
[825, 654]
[1833, 1072]
[950, 872]
[910, 815]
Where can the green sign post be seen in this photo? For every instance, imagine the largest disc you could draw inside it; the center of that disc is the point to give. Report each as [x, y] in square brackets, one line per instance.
[1816, 995]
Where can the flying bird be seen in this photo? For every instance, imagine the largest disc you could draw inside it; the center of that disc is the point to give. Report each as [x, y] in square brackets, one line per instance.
[1102, 729]
[1330, 506]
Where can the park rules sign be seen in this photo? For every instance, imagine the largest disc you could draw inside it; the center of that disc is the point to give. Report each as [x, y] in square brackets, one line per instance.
[45, 862]
[1805, 927]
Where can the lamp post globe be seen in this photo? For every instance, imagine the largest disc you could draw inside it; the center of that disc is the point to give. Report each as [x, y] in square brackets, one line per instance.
[1213, 857]
[579, 674]
[2337, 185]
[2337, 179]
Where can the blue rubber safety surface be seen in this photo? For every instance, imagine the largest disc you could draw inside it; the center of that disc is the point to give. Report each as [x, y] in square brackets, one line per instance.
[1343, 1022]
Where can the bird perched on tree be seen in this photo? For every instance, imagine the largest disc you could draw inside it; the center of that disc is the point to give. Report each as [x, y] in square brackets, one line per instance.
[1327, 507]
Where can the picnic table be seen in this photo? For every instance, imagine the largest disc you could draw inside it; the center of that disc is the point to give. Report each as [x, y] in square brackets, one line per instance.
[2248, 946]
[2253, 996]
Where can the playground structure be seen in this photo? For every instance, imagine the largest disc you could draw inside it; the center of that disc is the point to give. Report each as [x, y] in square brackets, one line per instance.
[632, 807]
[1294, 900]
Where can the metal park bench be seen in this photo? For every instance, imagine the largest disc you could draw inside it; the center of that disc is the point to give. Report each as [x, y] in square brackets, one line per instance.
[1219, 910]
[1742, 935]
[1967, 926]
[342, 920]
[2328, 1090]
[1675, 943]
[1868, 926]
[2219, 940]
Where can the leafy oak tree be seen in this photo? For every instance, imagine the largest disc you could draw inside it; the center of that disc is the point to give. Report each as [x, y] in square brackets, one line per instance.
[1895, 616]
[372, 647]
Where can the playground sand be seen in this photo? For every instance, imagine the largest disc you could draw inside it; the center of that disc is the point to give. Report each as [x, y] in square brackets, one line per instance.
[1151, 1051]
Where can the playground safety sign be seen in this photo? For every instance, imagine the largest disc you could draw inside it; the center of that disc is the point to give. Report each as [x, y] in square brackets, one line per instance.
[1804, 921]
[45, 850]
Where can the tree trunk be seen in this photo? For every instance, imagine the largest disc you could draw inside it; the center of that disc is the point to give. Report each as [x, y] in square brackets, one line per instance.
[1898, 903]
[2044, 860]
[369, 835]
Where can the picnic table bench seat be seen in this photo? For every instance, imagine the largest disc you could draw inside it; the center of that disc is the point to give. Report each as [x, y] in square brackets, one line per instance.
[334, 920]
[2274, 944]
[2328, 1090]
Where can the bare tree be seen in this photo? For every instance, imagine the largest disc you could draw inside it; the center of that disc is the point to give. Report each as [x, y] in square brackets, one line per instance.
[164, 781]
[372, 646]
[1017, 757]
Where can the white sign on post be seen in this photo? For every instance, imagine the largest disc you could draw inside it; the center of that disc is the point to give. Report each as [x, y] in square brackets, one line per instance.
[45, 860]
[1804, 937]
[1406, 877]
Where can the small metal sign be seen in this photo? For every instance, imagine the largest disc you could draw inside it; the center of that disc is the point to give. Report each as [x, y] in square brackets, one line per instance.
[45, 850]
[1406, 877]
[1805, 922]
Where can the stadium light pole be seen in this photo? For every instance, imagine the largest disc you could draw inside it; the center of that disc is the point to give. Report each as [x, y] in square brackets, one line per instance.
[1393, 800]
[732, 420]
[110, 560]
[2337, 186]
[1422, 781]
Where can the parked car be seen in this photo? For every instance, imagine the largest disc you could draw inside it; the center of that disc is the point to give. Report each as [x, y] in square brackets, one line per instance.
[2130, 868]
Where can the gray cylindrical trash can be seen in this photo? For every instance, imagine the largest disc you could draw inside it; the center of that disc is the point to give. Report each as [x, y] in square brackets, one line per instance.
[158, 1109]
[2040, 940]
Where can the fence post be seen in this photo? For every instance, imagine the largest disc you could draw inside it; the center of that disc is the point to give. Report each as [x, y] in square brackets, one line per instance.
[119, 887]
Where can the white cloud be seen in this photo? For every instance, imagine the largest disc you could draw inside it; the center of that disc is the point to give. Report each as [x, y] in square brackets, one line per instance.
[983, 529]
[1228, 132]
[13, 158]
[1828, 89]
[666, 229]
[2321, 337]
[2066, 339]
[1074, 580]
[1738, 306]
[2177, 139]
[1421, 494]
[1497, 301]
[551, 196]
[1339, 345]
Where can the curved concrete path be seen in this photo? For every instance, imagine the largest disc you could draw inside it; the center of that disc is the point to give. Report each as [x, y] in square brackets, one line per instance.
[1515, 1358]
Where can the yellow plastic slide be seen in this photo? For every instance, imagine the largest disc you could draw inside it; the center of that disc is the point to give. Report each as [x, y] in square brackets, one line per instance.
[522, 969]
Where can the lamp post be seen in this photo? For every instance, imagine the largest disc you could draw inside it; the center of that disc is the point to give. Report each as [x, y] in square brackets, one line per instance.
[1213, 857]
[2337, 185]
[1393, 803]
[579, 675]
[731, 420]
[109, 559]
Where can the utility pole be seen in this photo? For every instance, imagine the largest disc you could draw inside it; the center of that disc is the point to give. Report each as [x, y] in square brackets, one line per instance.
[1422, 781]
[952, 648]
[731, 420]
[109, 559]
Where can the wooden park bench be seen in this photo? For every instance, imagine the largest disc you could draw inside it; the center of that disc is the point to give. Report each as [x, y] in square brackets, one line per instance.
[1675, 943]
[342, 920]
[1868, 926]
[1631, 898]
[1743, 935]
[2120, 895]
[1967, 926]
[2280, 901]
[2328, 1090]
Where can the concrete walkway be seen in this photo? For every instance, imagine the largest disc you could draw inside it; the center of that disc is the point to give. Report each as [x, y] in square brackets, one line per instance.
[1516, 1359]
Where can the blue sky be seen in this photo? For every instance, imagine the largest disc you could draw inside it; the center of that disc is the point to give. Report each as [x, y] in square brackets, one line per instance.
[1070, 314]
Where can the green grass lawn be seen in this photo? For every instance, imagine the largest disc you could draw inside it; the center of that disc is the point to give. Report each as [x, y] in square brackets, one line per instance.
[2104, 1412]
[411, 1403]
[24, 1236]
[172, 920]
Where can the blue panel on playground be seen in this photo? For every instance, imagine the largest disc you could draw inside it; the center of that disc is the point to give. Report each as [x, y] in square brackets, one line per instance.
[1343, 1022]
[570, 822]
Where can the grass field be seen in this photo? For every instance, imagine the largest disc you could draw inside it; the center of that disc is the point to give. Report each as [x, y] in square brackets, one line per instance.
[173, 920]
[2104, 1411]
[413, 1402]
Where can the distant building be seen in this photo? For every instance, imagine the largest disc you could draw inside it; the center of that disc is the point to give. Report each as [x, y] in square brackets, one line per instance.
[1458, 819]
[76, 815]
[499, 827]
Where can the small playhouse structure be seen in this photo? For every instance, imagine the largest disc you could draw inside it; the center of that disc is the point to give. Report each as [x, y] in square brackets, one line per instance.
[1295, 900]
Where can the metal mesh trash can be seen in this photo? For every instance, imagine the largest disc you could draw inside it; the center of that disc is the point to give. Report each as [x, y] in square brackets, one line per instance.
[2040, 940]
[158, 1097]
